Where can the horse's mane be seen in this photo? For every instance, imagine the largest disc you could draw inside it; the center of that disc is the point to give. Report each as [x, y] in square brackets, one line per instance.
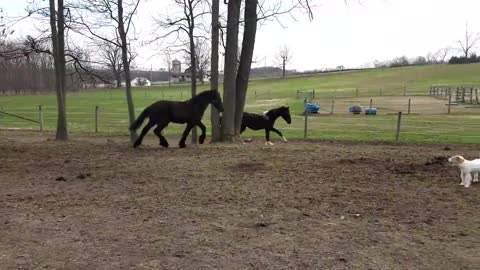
[202, 95]
[275, 111]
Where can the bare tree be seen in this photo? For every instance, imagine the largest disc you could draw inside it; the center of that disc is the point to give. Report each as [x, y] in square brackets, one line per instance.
[215, 116]
[246, 55]
[470, 40]
[113, 56]
[57, 25]
[283, 57]
[442, 54]
[230, 71]
[202, 55]
[168, 62]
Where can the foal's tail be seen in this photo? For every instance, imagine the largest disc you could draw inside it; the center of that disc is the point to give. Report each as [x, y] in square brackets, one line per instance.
[137, 123]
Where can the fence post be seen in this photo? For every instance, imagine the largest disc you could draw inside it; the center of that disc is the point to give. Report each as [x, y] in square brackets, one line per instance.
[371, 100]
[313, 93]
[333, 106]
[40, 117]
[408, 106]
[306, 117]
[399, 120]
[404, 90]
[380, 91]
[471, 95]
[96, 119]
[356, 90]
[449, 102]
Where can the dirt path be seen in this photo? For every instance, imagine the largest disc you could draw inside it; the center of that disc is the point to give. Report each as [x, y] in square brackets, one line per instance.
[95, 203]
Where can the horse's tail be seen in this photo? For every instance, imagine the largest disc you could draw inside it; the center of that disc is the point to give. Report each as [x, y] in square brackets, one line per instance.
[137, 123]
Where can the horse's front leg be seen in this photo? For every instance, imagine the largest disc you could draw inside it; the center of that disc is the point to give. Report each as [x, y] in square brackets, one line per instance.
[185, 135]
[203, 135]
[267, 137]
[280, 134]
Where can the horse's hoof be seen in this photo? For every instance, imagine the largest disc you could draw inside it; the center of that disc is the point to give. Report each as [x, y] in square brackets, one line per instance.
[267, 143]
[135, 145]
[285, 139]
[182, 145]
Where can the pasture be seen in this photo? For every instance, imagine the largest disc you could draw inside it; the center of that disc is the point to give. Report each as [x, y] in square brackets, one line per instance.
[96, 203]
[390, 91]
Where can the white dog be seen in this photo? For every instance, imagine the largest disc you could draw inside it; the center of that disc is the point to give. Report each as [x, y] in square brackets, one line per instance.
[467, 168]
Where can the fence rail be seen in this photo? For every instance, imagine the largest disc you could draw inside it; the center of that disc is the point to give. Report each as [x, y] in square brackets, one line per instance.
[423, 118]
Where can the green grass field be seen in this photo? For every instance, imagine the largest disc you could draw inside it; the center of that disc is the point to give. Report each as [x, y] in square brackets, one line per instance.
[428, 120]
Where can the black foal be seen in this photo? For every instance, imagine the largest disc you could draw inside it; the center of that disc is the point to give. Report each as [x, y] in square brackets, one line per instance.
[266, 121]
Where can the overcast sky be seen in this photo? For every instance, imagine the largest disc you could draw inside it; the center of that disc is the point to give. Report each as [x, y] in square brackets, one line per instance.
[351, 34]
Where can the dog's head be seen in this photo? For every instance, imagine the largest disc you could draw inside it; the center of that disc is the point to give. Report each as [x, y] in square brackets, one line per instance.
[456, 160]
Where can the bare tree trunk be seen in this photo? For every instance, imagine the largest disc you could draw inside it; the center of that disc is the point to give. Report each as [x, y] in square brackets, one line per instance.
[58, 46]
[193, 62]
[194, 76]
[283, 67]
[126, 67]
[231, 56]
[215, 116]
[118, 78]
[243, 75]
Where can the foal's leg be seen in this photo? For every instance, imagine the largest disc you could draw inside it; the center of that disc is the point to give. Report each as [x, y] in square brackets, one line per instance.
[201, 139]
[267, 137]
[185, 135]
[144, 132]
[158, 132]
[475, 177]
[242, 128]
[279, 133]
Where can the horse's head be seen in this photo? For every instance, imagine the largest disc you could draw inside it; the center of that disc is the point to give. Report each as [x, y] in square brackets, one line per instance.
[285, 113]
[216, 100]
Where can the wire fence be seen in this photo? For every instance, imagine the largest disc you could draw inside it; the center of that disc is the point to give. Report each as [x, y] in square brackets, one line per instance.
[423, 118]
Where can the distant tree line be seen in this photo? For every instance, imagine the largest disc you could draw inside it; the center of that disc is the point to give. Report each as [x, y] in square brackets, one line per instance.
[473, 58]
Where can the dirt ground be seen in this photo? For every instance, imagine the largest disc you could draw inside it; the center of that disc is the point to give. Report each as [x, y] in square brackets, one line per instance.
[96, 203]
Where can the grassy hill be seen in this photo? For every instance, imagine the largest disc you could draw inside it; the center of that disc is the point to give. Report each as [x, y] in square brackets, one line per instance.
[264, 94]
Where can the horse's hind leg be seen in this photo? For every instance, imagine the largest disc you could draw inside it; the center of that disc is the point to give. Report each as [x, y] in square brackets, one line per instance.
[144, 132]
[201, 139]
[185, 135]
[158, 132]
[280, 134]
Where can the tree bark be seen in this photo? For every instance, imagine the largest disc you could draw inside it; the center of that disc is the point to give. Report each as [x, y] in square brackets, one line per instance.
[215, 116]
[118, 77]
[193, 62]
[126, 67]
[231, 57]
[58, 47]
[243, 75]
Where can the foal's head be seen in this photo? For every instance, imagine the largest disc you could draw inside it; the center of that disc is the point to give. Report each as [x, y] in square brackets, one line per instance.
[284, 112]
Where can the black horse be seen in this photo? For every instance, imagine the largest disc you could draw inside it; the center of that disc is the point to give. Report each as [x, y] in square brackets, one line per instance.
[266, 121]
[162, 112]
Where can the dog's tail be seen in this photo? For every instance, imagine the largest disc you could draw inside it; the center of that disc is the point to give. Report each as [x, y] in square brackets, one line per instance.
[137, 123]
